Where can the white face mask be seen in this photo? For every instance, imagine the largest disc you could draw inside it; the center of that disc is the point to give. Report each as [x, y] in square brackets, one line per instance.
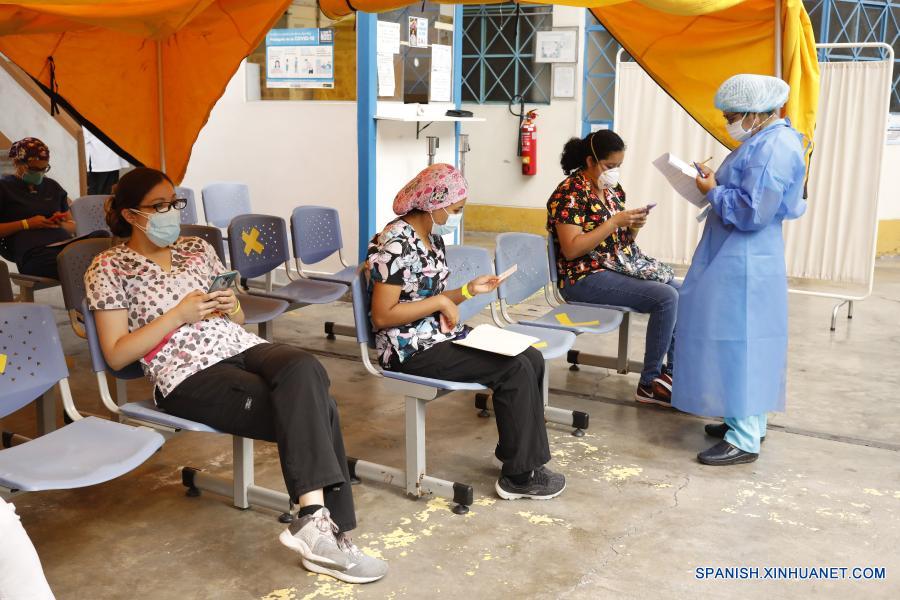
[736, 130]
[610, 178]
[447, 228]
[739, 134]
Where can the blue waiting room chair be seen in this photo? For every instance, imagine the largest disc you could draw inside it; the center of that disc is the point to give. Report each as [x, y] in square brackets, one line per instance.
[259, 246]
[468, 262]
[532, 277]
[89, 450]
[316, 235]
[189, 213]
[89, 213]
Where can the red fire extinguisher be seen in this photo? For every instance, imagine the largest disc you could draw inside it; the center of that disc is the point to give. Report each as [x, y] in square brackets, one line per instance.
[528, 137]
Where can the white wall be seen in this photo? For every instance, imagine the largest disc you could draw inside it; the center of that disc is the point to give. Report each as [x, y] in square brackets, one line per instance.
[494, 170]
[889, 193]
[21, 116]
[288, 152]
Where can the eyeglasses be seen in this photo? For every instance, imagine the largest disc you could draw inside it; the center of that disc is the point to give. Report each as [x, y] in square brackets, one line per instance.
[34, 170]
[164, 207]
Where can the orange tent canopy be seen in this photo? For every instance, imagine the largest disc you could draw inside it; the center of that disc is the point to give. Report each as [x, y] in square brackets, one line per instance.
[144, 73]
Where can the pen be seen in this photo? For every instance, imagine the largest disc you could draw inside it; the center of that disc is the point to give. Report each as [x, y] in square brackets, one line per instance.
[700, 171]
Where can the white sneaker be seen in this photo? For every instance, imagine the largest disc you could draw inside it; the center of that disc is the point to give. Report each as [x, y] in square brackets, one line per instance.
[323, 549]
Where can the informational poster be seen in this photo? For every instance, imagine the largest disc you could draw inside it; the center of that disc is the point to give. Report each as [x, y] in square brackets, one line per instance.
[300, 58]
[388, 46]
[388, 37]
[556, 46]
[418, 32]
[563, 81]
[386, 86]
[441, 88]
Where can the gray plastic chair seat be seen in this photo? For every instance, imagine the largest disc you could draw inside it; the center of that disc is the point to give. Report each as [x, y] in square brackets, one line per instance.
[260, 310]
[306, 291]
[146, 410]
[579, 319]
[554, 342]
[345, 275]
[440, 384]
[86, 452]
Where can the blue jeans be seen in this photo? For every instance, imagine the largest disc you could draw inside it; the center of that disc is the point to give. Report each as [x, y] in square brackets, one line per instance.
[658, 299]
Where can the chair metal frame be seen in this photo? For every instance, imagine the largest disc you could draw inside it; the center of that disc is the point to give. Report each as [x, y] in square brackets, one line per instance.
[417, 393]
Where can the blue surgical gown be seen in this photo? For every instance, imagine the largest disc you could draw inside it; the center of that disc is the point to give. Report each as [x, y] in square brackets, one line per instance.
[731, 349]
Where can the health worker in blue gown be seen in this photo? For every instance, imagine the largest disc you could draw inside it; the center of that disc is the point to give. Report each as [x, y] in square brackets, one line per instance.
[731, 354]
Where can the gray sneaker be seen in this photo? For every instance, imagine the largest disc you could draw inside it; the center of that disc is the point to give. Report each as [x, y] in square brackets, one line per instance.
[323, 549]
[543, 485]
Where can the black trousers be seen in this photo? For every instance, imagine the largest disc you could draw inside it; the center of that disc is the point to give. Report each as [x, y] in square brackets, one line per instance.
[40, 261]
[517, 399]
[277, 393]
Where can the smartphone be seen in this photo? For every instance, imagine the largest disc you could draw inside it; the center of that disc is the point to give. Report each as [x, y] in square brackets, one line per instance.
[222, 282]
[650, 206]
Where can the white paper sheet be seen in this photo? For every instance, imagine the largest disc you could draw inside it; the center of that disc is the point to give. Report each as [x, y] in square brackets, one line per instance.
[388, 38]
[563, 81]
[441, 70]
[682, 177]
[496, 340]
[385, 64]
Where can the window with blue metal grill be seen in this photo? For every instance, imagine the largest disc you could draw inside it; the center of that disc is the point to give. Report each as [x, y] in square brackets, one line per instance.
[854, 21]
[498, 54]
[599, 75]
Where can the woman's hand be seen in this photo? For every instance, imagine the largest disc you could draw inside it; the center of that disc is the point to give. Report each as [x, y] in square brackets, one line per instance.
[449, 315]
[42, 222]
[636, 217]
[707, 182]
[196, 306]
[225, 300]
[483, 284]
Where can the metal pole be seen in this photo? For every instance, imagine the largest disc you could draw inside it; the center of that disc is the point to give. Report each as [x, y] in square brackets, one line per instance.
[159, 96]
[433, 143]
[779, 40]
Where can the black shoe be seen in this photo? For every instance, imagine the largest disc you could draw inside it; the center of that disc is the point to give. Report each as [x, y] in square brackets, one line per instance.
[719, 431]
[543, 485]
[723, 454]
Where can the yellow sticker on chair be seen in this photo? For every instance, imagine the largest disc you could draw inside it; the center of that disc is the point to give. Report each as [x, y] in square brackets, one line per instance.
[564, 319]
[2, 363]
[539, 345]
[251, 242]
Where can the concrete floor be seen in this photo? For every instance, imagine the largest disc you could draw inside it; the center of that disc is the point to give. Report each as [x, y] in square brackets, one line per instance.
[638, 517]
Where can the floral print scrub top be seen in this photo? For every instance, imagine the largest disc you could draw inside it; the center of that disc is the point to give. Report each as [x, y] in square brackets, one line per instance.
[397, 256]
[121, 278]
[576, 201]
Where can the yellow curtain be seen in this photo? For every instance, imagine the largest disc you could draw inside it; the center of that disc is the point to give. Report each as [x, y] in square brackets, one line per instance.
[107, 56]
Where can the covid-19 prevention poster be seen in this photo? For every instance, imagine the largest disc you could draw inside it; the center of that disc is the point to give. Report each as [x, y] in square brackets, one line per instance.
[300, 58]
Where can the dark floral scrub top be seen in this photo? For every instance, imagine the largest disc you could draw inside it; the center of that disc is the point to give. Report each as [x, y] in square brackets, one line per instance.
[122, 278]
[576, 202]
[397, 256]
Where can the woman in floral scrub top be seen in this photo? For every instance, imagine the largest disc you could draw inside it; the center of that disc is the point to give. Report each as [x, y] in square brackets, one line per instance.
[150, 302]
[589, 226]
[416, 317]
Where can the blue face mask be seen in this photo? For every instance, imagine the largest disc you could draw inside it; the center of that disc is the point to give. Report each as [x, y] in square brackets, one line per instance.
[447, 228]
[162, 228]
